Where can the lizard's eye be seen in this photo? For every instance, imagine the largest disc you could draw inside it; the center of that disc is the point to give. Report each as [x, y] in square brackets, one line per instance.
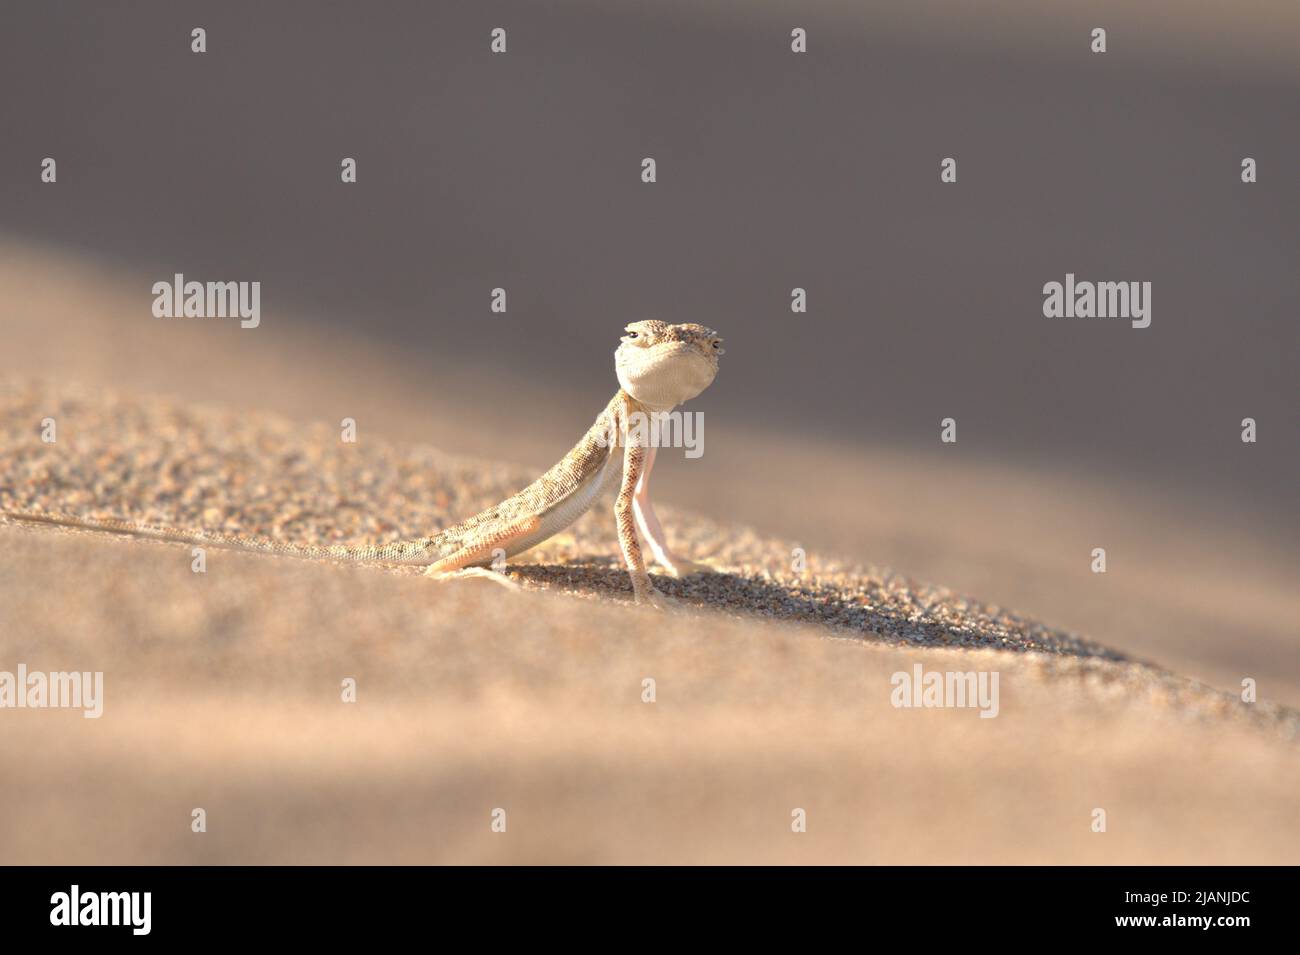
[717, 344]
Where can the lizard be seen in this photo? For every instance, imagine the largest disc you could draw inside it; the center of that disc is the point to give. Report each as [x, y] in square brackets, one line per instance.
[658, 365]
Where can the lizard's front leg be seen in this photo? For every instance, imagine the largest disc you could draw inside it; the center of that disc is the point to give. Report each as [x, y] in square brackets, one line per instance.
[634, 458]
[653, 531]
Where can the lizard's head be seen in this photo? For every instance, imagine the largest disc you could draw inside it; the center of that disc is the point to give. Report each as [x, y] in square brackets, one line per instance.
[662, 365]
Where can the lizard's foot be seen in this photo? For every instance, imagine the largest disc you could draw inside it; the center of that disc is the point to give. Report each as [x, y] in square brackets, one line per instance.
[649, 597]
[491, 575]
[679, 567]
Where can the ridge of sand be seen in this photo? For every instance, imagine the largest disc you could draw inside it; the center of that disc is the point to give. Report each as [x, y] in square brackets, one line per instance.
[154, 461]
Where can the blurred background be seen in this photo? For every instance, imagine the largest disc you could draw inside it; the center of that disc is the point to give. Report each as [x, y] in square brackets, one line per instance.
[775, 170]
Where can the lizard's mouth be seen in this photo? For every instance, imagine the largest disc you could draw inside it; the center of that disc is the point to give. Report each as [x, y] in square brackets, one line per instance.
[663, 376]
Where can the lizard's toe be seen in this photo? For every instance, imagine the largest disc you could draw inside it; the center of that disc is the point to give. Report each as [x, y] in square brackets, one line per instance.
[656, 601]
[480, 572]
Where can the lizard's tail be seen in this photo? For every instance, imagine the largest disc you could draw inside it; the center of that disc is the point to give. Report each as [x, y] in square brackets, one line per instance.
[417, 551]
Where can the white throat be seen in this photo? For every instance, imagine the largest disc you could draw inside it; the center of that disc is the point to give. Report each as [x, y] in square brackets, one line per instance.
[663, 385]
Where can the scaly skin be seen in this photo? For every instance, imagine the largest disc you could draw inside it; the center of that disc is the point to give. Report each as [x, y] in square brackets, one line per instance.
[659, 366]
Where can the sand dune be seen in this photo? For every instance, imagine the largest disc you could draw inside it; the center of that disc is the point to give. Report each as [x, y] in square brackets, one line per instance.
[772, 691]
